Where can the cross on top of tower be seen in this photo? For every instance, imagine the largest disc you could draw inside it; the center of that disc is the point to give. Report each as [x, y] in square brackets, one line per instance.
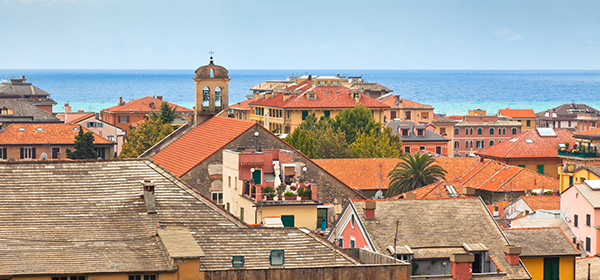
[211, 55]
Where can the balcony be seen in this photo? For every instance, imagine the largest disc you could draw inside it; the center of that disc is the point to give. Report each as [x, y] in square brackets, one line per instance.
[255, 192]
[577, 154]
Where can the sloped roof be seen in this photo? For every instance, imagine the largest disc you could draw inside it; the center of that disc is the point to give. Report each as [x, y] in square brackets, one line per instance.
[20, 88]
[370, 173]
[430, 136]
[44, 134]
[241, 105]
[592, 196]
[394, 101]
[326, 97]
[62, 214]
[437, 223]
[582, 265]
[369, 86]
[542, 202]
[24, 111]
[142, 105]
[517, 113]
[210, 136]
[517, 147]
[542, 242]
[563, 110]
[81, 117]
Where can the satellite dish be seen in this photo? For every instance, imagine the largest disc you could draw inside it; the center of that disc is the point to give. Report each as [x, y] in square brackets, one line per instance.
[43, 156]
[378, 195]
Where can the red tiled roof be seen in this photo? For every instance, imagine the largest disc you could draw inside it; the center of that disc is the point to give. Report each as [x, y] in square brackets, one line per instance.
[518, 113]
[391, 101]
[211, 135]
[594, 131]
[336, 97]
[500, 208]
[241, 105]
[51, 133]
[542, 147]
[542, 202]
[142, 105]
[80, 118]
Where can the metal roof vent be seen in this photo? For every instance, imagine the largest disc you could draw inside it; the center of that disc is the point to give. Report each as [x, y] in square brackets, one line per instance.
[40, 129]
[21, 129]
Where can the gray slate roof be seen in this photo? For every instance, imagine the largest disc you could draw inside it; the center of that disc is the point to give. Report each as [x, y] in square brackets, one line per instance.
[592, 196]
[24, 111]
[20, 88]
[429, 136]
[566, 110]
[444, 224]
[581, 268]
[83, 217]
[542, 242]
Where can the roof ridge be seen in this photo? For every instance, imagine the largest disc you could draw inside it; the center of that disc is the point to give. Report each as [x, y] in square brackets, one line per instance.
[493, 175]
[509, 179]
[484, 165]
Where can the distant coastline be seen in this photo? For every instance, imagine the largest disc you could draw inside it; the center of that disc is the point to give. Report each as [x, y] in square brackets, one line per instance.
[452, 92]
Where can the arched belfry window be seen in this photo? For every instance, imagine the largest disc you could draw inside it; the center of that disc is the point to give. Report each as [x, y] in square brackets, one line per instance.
[218, 96]
[212, 73]
[206, 96]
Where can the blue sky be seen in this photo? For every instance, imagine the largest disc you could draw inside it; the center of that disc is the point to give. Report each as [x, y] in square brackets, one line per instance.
[396, 34]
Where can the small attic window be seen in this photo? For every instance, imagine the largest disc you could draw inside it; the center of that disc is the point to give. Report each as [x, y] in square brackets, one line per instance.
[40, 129]
[21, 129]
[337, 92]
[75, 129]
[528, 141]
[312, 95]
[513, 140]
[562, 145]
[327, 92]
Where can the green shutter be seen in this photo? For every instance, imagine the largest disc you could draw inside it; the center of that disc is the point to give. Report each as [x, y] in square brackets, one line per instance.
[288, 220]
[570, 180]
[304, 114]
[257, 176]
[521, 165]
[551, 268]
[540, 168]
[327, 114]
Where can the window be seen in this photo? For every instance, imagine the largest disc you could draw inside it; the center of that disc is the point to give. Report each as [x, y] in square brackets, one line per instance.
[479, 144]
[54, 152]
[235, 181]
[521, 165]
[277, 257]
[420, 132]
[576, 220]
[514, 131]
[304, 115]
[438, 150]
[466, 131]
[503, 131]
[407, 115]
[100, 152]
[327, 114]
[442, 130]
[529, 123]
[217, 197]
[540, 168]
[228, 207]
[3, 153]
[491, 142]
[491, 131]
[479, 131]
[406, 149]
[588, 244]
[424, 115]
[28, 153]
[69, 278]
[286, 130]
[456, 130]
[392, 115]
[352, 242]
[588, 220]
[467, 144]
[124, 119]
[352, 221]
[141, 277]
[341, 242]
[242, 213]
[471, 144]
[456, 144]
[110, 138]
[404, 132]
[422, 148]
[288, 220]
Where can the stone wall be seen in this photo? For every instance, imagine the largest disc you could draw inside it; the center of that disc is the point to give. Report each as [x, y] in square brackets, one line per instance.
[330, 189]
[381, 272]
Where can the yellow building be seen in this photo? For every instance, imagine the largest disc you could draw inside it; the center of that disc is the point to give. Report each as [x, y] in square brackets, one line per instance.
[570, 175]
[247, 174]
[547, 253]
[406, 110]
[580, 161]
[526, 117]
[283, 110]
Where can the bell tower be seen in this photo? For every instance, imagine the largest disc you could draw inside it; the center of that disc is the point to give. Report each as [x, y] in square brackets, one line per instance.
[212, 91]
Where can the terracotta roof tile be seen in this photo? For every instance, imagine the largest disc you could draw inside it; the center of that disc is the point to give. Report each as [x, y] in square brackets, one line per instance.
[542, 147]
[542, 202]
[518, 113]
[241, 105]
[50, 133]
[594, 131]
[391, 101]
[326, 97]
[80, 118]
[211, 135]
[142, 105]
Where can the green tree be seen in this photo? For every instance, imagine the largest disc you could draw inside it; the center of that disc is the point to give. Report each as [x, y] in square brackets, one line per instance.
[84, 146]
[167, 113]
[414, 171]
[373, 145]
[354, 122]
[301, 140]
[331, 144]
[144, 136]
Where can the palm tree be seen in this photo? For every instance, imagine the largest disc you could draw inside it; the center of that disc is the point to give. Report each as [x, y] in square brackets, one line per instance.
[414, 171]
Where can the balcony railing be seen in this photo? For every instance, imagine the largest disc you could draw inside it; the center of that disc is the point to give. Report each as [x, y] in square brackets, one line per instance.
[578, 154]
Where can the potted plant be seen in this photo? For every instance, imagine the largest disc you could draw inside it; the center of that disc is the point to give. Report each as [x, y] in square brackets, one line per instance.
[289, 196]
[269, 192]
[306, 194]
[280, 190]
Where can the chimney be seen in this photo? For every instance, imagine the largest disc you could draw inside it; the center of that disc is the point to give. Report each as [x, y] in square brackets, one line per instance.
[120, 100]
[68, 108]
[370, 210]
[410, 195]
[554, 192]
[462, 266]
[468, 191]
[159, 97]
[149, 196]
[512, 253]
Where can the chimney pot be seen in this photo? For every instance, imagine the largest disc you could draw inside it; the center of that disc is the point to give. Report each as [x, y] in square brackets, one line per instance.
[512, 253]
[120, 100]
[159, 97]
[468, 191]
[462, 266]
[370, 207]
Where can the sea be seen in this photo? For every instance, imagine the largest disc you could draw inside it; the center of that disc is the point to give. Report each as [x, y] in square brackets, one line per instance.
[451, 92]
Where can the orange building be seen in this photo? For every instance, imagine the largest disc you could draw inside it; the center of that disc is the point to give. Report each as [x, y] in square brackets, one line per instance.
[134, 112]
[46, 141]
[526, 117]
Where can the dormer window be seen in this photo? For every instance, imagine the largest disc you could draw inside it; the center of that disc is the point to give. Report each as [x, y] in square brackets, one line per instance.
[327, 92]
[322, 83]
[420, 132]
[335, 83]
[312, 95]
[356, 95]
[404, 132]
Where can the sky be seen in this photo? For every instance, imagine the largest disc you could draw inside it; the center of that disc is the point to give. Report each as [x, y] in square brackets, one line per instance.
[308, 34]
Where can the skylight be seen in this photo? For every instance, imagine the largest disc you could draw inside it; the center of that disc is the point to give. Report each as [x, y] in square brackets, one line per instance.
[513, 140]
[528, 141]
[562, 145]
[546, 132]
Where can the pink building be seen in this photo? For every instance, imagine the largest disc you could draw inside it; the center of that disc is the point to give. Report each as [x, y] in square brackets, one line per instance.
[581, 203]
[475, 133]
